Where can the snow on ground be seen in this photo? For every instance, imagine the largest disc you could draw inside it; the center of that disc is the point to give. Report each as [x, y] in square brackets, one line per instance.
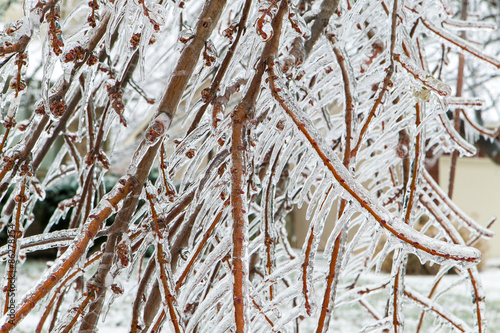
[118, 318]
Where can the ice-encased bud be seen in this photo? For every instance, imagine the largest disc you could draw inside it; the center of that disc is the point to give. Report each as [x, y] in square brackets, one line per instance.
[157, 128]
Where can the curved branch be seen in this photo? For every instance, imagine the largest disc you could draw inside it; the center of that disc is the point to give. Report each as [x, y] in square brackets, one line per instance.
[398, 229]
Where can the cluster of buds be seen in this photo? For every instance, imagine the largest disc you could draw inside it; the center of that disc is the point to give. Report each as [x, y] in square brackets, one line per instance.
[9, 162]
[228, 32]
[17, 86]
[90, 158]
[57, 105]
[21, 198]
[9, 123]
[103, 159]
[263, 20]
[92, 290]
[206, 95]
[157, 128]
[155, 24]
[6, 48]
[105, 69]
[116, 289]
[40, 108]
[92, 60]
[190, 153]
[184, 40]
[123, 253]
[115, 93]
[100, 156]
[135, 39]
[21, 60]
[155, 131]
[208, 55]
[91, 19]
[52, 18]
[76, 54]
[26, 170]
[185, 36]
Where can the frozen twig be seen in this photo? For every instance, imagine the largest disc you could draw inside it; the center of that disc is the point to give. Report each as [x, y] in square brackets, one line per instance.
[327, 9]
[333, 273]
[238, 179]
[444, 199]
[438, 310]
[459, 42]
[214, 87]
[162, 263]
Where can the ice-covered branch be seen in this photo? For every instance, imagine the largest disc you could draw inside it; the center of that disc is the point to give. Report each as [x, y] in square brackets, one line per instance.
[437, 249]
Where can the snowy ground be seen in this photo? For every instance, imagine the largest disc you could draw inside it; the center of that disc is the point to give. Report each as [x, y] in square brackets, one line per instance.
[118, 319]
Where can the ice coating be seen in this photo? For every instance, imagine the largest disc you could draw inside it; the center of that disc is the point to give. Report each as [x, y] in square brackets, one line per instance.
[41, 242]
[157, 128]
[360, 194]
[294, 155]
[216, 295]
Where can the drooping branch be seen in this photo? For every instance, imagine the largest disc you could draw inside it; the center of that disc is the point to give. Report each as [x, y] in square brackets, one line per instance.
[363, 197]
[459, 42]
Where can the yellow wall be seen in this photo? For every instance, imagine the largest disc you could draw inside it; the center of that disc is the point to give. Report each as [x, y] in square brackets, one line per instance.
[477, 192]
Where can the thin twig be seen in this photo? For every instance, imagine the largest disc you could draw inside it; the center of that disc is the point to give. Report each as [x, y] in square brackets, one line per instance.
[416, 167]
[169, 297]
[214, 87]
[456, 116]
[200, 246]
[238, 169]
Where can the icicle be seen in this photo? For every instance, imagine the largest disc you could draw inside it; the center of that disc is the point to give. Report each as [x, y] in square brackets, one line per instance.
[462, 146]
[379, 326]
[60, 238]
[446, 315]
[215, 255]
[469, 25]
[215, 295]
